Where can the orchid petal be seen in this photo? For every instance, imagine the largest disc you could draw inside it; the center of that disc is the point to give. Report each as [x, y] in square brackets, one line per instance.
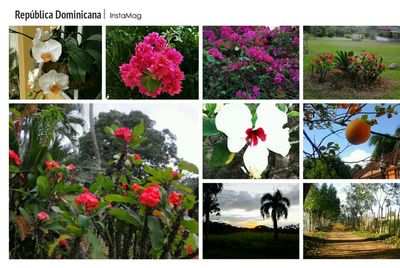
[48, 80]
[233, 120]
[51, 47]
[271, 119]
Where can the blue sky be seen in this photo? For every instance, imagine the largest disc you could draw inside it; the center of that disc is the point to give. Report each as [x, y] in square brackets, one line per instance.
[354, 152]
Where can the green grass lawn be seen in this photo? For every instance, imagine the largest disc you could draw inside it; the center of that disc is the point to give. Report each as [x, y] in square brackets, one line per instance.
[251, 245]
[389, 51]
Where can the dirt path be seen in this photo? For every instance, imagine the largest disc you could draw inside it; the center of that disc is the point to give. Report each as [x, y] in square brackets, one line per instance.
[340, 244]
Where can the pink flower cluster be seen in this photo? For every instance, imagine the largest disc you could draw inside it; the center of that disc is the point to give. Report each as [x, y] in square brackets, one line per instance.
[154, 60]
[87, 200]
[255, 92]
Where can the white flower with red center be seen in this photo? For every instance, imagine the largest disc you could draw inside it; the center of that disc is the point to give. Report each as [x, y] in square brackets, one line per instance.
[47, 51]
[267, 133]
[53, 82]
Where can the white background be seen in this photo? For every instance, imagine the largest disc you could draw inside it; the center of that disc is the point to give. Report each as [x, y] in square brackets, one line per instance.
[174, 12]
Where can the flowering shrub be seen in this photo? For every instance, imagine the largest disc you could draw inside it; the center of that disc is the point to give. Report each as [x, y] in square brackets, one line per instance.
[154, 68]
[321, 65]
[251, 62]
[53, 215]
[362, 70]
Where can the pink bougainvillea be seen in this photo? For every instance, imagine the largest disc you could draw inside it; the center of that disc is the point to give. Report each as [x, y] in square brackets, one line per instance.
[154, 68]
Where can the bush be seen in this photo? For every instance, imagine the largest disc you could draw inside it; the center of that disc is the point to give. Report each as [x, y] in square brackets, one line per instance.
[121, 42]
[321, 64]
[250, 62]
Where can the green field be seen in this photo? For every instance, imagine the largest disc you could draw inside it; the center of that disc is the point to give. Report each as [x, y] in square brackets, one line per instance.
[389, 51]
[251, 245]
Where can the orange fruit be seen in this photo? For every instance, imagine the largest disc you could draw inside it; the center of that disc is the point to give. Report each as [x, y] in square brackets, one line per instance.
[358, 131]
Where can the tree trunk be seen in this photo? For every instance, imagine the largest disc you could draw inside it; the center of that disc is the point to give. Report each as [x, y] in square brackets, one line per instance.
[275, 221]
[93, 134]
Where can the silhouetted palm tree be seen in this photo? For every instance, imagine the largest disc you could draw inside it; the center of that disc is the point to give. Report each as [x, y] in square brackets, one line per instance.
[278, 205]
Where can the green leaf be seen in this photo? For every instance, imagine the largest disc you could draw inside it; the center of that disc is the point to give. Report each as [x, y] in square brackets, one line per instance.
[97, 250]
[83, 222]
[106, 183]
[123, 215]
[210, 107]
[156, 233]
[79, 64]
[220, 154]
[42, 184]
[184, 165]
[13, 169]
[73, 229]
[119, 198]
[56, 209]
[189, 201]
[94, 37]
[138, 129]
[150, 83]
[56, 242]
[209, 127]
[181, 187]
[109, 131]
[293, 114]
[283, 107]
[191, 225]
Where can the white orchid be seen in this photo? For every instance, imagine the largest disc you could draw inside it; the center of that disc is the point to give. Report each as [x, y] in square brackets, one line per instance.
[53, 82]
[268, 133]
[49, 50]
[32, 77]
[41, 35]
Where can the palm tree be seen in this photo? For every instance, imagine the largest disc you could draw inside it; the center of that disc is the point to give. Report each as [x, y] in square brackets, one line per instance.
[384, 145]
[278, 206]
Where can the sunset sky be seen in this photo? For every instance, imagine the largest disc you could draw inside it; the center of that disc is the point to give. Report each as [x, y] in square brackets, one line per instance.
[240, 203]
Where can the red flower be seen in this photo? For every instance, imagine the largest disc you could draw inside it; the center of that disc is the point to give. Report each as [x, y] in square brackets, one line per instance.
[14, 156]
[382, 65]
[175, 174]
[124, 185]
[136, 188]
[63, 243]
[88, 200]
[42, 216]
[189, 249]
[71, 167]
[175, 199]
[51, 164]
[151, 196]
[136, 156]
[123, 133]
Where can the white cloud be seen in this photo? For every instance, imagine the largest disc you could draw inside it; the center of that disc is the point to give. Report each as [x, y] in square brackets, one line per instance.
[355, 156]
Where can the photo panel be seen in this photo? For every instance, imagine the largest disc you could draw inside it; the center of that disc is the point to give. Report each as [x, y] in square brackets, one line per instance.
[250, 62]
[94, 181]
[55, 62]
[250, 141]
[251, 220]
[351, 62]
[152, 62]
[351, 220]
[351, 141]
